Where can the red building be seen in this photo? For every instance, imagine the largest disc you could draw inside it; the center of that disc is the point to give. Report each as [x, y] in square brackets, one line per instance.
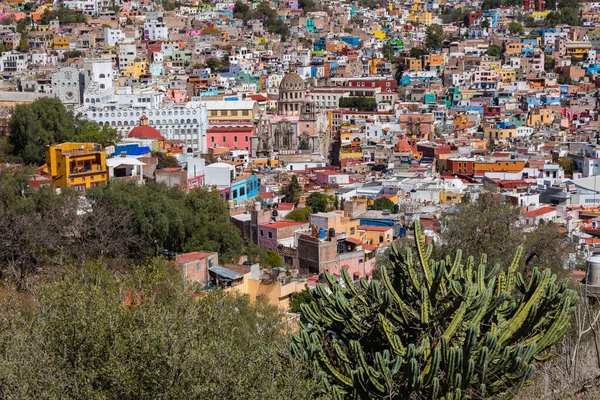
[232, 137]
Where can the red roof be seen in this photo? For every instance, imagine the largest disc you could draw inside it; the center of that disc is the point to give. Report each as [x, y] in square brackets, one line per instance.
[539, 211]
[195, 256]
[282, 224]
[285, 206]
[145, 132]
[352, 240]
[258, 97]
[225, 129]
[268, 195]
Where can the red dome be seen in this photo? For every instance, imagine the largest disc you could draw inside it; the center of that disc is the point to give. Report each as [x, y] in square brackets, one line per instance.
[145, 132]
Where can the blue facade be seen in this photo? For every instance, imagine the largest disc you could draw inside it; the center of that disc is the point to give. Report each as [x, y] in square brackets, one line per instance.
[244, 189]
[353, 41]
[131, 149]
[493, 16]
[319, 44]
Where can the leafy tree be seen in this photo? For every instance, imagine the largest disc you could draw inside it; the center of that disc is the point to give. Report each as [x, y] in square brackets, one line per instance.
[417, 52]
[433, 328]
[292, 190]
[92, 132]
[33, 126]
[255, 253]
[23, 44]
[143, 335]
[169, 5]
[549, 63]
[388, 51]
[383, 203]
[64, 15]
[490, 225]
[359, 103]
[320, 201]
[272, 259]
[494, 51]
[515, 28]
[298, 298]
[214, 64]
[240, 9]
[435, 36]
[568, 165]
[307, 5]
[299, 214]
[485, 24]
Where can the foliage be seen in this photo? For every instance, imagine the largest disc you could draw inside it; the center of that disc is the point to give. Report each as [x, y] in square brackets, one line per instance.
[435, 36]
[92, 132]
[494, 51]
[307, 5]
[359, 103]
[417, 52]
[170, 218]
[298, 298]
[64, 15]
[320, 201]
[435, 329]
[23, 44]
[490, 225]
[485, 24]
[213, 63]
[254, 252]
[383, 203]
[549, 63]
[299, 214]
[93, 336]
[568, 165]
[292, 190]
[515, 28]
[165, 161]
[33, 126]
[73, 54]
[388, 51]
[170, 5]
[271, 260]
[46, 121]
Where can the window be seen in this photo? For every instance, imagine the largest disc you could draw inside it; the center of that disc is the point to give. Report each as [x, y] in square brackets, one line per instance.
[270, 235]
[224, 139]
[212, 139]
[262, 233]
[197, 267]
[352, 231]
[245, 138]
[235, 139]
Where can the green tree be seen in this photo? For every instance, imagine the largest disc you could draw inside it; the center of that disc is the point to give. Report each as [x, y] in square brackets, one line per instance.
[143, 335]
[23, 44]
[515, 28]
[383, 203]
[494, 51]
[292, 190]
[307, 5]
[417, 52]
[169, 5]
[240, 9]
[434, 37]
[320, 201]
[214, 64]
[568, 165]
[299, 214]
[388, 51]
[272, 260]
[298, 298]
[490, 225]
[33, 126]
[485, 24]
[254, 252]
[92, 132]
[549, 63]
[433, 328]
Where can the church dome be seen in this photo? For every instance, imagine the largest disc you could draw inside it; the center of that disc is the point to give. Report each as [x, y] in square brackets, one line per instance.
[145, 131]
[291, 81]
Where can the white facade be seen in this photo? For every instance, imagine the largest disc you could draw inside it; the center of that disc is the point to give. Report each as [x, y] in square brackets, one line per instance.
[127, 54]
[187, 123]
[155, 30]
[67, 85]
[98, 75]
[13, 61]
[113, 36]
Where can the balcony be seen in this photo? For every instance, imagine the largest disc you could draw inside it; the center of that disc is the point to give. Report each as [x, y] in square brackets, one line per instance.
[94, 169]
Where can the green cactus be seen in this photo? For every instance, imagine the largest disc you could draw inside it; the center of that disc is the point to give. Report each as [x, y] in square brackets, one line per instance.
[436, 329]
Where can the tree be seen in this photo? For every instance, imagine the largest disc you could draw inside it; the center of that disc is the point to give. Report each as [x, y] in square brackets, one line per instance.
[214, 64]
[299, 214]
[383, 203]
[490, 225]
[485, 24]
[494, 51]
[292, 190]
[255, 253]
[416, 52]
[549, 63]
[515, 28]
[388, 51]
[568, 165]
[272, 260]
[433, 328]
[92, 132]
[307, 5]
[170, 5]
[33, 126]
[298, 298]
[435, 36]
[143, 335]
[320, 201]
[240, 9]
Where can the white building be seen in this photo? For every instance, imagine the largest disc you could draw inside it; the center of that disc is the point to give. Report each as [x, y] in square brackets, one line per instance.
[67, 85]
[155, 30]
[127, 54]
[112, 37]
[98, 75]
[13, 61]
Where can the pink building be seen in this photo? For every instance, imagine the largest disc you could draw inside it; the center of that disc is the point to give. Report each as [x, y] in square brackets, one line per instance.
[194, 266]
[269, 235]
[193, 32]
[231, 137]
[179, 96]
[329, 178]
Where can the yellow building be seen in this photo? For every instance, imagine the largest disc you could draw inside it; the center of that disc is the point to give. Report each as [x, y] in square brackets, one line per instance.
[232, 111]
[76, 165]
[578, 50]
[61, 43]
[276, 293]
[499, 131]
[135, 69]
[414, 64]
[539, 116]
[508, 75]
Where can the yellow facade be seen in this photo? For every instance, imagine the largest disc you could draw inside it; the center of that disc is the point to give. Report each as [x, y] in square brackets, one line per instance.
[76, 165]
[275, 293]
[450, 197]
[62, 43]
[491, 131]
[135, 69]
[379, 34]
[540, 116]
[508, 75]
[422, 18]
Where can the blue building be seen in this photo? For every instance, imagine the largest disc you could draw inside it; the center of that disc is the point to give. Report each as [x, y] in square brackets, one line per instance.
[320, 44]
[493, 17]
[353, 41]
[244, 189]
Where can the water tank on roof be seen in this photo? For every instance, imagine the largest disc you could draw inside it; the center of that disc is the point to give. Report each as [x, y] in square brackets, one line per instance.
[331, 233]
[275, 213]
[396, 208]
[321, 233]
[593, 270]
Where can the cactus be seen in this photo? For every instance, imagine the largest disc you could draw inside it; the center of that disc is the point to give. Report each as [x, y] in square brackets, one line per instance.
[437, 329]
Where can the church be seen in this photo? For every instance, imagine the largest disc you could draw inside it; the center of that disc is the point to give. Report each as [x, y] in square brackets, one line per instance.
[296, 126]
